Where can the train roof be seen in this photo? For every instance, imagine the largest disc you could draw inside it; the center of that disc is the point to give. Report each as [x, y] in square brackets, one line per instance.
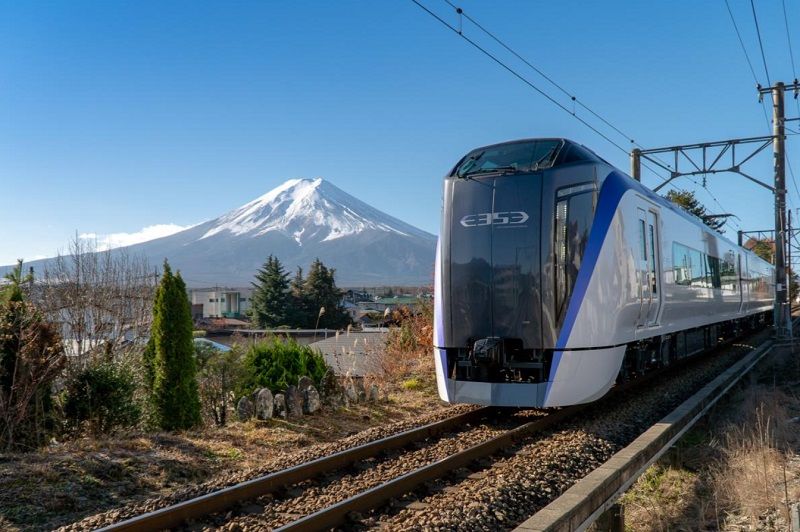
[567, 152]
[530, 154]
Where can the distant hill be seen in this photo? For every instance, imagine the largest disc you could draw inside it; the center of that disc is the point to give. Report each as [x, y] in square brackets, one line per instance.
[298, 221]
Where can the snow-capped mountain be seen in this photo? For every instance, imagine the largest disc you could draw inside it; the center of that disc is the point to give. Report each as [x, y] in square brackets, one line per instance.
[298, 221]
[308, 211]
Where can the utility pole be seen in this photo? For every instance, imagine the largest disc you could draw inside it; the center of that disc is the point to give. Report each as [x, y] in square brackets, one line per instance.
[709, 161]
[636, 164]
[789, 268]
[782, 314]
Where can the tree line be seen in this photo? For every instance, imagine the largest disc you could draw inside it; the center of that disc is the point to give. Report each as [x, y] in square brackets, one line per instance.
[307, 302]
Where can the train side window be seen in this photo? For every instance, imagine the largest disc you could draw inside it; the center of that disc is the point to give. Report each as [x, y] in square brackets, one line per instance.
[654, 284]
[713, 271]
[680, 264]
[574, 216]
[698, 271]
[642, 245]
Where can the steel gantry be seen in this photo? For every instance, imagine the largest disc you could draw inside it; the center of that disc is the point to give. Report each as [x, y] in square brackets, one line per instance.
[707, 158]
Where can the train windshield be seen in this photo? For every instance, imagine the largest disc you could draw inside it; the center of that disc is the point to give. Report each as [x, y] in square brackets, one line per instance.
[524, 156]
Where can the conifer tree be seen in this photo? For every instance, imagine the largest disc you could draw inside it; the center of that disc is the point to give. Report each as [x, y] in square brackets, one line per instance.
[271, 301]
[686, 199]
[321, 292]
[169, 358]
[300, 315]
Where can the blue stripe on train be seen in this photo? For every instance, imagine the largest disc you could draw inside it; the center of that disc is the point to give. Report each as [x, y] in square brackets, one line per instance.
[614, 186]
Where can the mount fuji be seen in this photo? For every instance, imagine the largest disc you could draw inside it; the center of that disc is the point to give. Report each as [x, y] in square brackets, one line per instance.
[298, 221]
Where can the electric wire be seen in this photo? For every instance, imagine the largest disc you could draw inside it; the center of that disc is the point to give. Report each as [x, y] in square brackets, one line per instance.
[760, 42]
[460, 33]
[747, 58]
[753, 72]
[541, 73]
[550, 80]
[519, 76]
[791, 52]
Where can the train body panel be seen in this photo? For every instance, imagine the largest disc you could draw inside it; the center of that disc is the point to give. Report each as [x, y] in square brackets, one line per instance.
[546, 278]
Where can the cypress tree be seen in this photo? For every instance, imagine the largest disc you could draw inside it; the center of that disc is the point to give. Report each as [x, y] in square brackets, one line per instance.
[169, 358]
[271, 295]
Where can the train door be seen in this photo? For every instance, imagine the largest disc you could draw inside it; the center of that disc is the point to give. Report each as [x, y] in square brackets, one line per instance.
[649, 267]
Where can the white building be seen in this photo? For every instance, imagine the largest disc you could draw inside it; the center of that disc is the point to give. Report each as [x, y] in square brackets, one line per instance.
[220, 302]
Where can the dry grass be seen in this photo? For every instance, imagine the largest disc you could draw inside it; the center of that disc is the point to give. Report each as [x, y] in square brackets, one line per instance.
[738, 470]
[67, 481]
[406, 362]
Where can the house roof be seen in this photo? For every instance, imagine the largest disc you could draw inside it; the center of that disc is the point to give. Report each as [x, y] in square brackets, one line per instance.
[354, 353]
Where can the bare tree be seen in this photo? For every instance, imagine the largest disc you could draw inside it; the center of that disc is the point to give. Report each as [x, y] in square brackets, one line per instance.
[101, 300]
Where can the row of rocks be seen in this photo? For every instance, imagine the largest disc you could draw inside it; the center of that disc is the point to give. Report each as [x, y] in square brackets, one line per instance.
[304, 398]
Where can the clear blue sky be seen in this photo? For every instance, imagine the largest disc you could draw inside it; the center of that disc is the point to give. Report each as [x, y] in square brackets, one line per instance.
[119, 115]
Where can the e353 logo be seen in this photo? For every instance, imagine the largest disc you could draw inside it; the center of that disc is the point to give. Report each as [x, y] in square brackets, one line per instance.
[495, 218]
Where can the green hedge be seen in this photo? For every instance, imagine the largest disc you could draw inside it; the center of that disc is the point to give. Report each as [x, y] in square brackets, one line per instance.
[277, 364]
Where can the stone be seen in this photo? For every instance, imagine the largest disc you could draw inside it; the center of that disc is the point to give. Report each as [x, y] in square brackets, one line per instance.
[294, 402]
[311, 401]
[279, 402]
[350, 393]
[264, 404]
[303, 383]
[329, 389]
[360, 390]
[374, 393]
[244, 409]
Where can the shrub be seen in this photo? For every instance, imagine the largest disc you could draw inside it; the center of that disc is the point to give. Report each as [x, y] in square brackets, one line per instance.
[409, 346]
[276, 364]
[31, 357]
[218, 375]
[101, 396]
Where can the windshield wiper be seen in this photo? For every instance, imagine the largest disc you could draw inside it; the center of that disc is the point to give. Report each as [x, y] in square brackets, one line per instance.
[462, 171]
[547, 157]
[495, 170]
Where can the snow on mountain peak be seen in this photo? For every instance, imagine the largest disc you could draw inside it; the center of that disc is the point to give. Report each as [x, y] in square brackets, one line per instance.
[307, 209]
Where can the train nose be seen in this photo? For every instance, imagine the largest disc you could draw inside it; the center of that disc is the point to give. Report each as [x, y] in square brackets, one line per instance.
[494, 255]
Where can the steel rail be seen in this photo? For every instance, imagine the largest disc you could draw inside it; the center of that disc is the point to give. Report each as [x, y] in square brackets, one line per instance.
[336, 514]
[580, 505]
[215, 501]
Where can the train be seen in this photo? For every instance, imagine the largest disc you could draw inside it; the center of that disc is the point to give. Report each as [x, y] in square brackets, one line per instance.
[557, 275]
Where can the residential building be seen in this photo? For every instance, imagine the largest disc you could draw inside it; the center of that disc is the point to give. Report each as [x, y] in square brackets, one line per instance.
[220, 302]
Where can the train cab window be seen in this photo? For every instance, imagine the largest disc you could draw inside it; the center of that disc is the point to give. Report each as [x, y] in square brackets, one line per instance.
[573, 221]
[525, 156]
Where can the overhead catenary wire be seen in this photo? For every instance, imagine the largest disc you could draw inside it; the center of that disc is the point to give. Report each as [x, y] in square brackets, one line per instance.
[460, 33]
[766, 71]
[550, 80]
[519, 76]
[760, 41]
[791, 52]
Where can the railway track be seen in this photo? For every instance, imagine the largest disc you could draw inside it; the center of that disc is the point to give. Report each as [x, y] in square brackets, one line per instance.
[327, 492]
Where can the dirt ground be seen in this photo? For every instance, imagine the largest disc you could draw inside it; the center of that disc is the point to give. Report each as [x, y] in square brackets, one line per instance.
[72, 479]
[737, 469]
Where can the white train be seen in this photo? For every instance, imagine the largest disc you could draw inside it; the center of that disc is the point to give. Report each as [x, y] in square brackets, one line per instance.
[556, 274]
